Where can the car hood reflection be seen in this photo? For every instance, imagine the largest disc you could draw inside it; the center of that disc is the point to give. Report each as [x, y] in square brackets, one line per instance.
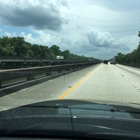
[72, 116]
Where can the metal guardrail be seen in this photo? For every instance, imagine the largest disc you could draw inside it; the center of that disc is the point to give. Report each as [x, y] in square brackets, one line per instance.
[30, 73]
[2, 60]
[25, 63]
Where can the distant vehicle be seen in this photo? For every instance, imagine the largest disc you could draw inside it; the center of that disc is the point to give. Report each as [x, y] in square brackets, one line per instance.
[105, 62]
[59, 57]
[112, 62]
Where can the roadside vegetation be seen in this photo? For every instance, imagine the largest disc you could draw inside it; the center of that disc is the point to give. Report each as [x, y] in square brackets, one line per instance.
[132, 59]
[17, 47]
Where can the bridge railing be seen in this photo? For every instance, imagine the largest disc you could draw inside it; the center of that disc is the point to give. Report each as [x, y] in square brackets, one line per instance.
[30, 73]
[25, 63]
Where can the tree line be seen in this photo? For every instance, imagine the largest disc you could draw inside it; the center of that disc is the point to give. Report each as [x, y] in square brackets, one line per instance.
[132, 59]
[17, 47]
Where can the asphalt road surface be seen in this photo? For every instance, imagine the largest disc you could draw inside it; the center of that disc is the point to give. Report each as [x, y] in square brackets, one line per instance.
[99, 82]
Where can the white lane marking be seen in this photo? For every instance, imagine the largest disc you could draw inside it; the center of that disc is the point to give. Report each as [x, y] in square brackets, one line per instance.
[23, 89]
[126, 78]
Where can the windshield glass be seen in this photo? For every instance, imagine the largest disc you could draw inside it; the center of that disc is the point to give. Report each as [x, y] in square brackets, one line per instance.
[83, 50]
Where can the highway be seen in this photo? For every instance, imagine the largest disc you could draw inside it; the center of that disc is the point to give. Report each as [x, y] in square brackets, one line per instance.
[98, 82]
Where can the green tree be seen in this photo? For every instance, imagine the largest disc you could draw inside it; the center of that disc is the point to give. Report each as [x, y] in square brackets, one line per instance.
[36, 49]
[8, 50]
[67, 54]
[18, 47]
[44, 51]
[139, 34]
[54, 51]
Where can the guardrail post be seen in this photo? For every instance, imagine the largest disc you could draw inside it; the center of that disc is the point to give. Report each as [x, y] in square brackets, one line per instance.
[48, 73]
[73, 67]
[40, 63]
[30, 77]
[59, 70]
[22, 65]
[67, 69]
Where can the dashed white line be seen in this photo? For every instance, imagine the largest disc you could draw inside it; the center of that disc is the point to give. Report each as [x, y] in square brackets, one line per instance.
[126, 78]
[23, 89]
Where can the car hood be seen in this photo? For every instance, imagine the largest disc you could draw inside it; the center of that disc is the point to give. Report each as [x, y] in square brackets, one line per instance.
[72, 116]
[78, 107]
[98, 104]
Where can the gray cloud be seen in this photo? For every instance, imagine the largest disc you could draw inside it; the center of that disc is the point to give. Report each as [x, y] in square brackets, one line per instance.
[65, 3]
[105, 40]
[85, 48]
[118, 5]
[40, 17]
[65, 41]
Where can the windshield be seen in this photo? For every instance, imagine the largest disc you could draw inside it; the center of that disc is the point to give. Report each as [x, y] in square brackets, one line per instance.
[86, 50]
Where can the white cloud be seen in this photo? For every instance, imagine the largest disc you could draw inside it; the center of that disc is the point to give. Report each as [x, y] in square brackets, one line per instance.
[10, 34]
[41, 39]
[94, 28]
[7, 34]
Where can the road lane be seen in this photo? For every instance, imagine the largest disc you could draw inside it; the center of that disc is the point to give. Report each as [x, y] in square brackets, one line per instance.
[109, 83]
[48, 90]
[77, 84]
[131, 74]
[99, 82]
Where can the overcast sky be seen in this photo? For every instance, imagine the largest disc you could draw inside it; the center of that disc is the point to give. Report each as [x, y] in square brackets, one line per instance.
[95, 28]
